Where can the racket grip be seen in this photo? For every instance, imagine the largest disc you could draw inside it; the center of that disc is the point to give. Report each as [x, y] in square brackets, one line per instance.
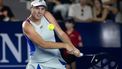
[81, 54]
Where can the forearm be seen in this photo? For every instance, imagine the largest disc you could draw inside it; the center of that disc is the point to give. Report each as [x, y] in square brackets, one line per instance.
[65, 38]
[46, 44]
[53, 45]
[98, 19]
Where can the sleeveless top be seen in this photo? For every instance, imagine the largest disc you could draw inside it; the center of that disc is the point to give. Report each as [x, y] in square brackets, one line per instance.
[37, 53]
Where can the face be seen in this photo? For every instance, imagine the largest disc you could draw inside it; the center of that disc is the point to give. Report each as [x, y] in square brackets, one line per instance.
[1, 2]
[97, 3]
[38, 12]
[69, 25]
[82, 2]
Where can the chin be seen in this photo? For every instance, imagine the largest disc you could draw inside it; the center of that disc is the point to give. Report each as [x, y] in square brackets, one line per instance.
[37, 18]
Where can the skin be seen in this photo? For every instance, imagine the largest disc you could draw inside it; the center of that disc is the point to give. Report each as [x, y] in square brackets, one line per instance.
[82, 2]
[110, 2]
[1, 2]
[5, 13]
[28, 30]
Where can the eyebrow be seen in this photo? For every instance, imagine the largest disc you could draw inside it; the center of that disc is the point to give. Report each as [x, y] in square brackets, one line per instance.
[41, 6]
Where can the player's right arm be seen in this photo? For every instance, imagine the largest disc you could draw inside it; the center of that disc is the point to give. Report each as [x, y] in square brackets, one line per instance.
[29, 31]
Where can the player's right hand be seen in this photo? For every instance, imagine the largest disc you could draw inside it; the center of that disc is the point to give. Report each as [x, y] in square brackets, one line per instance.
[72, 50]
[69, 48]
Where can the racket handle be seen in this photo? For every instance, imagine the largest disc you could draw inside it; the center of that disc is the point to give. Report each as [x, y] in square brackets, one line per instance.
[81, 54]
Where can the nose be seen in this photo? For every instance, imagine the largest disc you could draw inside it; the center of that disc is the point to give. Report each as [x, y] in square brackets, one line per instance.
[40, 11]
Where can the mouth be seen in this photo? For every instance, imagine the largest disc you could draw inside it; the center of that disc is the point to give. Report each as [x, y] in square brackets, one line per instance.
[38, 15]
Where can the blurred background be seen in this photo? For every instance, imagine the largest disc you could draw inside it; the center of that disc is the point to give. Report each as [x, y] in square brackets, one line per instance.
[97, 22]
[62, 9]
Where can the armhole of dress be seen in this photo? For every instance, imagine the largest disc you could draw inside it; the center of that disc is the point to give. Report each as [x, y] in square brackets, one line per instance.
[28, 20]
[47, 20]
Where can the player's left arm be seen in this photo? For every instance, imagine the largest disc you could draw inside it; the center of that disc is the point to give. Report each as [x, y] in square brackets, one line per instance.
[61, 34]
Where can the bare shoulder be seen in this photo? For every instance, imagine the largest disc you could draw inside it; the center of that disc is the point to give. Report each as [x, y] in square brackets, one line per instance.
[47, 12]
[50, 17]
[25, 24]
[52, 20]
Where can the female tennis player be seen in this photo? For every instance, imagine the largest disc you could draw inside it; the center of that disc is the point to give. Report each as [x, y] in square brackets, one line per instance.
[44, 50]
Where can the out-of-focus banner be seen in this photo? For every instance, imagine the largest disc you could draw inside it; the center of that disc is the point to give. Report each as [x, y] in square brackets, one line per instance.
[13, 46]
[14, 49]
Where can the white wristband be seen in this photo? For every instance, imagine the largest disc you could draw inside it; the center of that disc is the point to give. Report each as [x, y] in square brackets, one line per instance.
[81, 54]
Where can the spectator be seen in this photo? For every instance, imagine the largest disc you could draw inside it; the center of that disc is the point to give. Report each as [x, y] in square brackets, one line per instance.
[108, 2]
[75, 39]
[100, 13]
[111, 5]
[119, 15]
[60, 10]
[81, 12]
[90, 2]
[103, 13]
[117, 9]
[5, 12]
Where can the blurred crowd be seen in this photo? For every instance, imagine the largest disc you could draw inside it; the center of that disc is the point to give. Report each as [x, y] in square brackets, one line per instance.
[86, 11]
[102, 11]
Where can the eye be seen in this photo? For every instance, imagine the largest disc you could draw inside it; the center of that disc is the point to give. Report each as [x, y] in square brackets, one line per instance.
[36, 7]
[42, 8]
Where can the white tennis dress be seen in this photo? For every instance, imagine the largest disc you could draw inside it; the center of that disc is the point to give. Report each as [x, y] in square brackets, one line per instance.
[41, 58]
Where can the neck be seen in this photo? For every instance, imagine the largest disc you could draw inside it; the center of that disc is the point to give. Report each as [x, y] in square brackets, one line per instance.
[58, 3]
[82, 5]
[37, 21]
[70, 30]
[97, 8]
